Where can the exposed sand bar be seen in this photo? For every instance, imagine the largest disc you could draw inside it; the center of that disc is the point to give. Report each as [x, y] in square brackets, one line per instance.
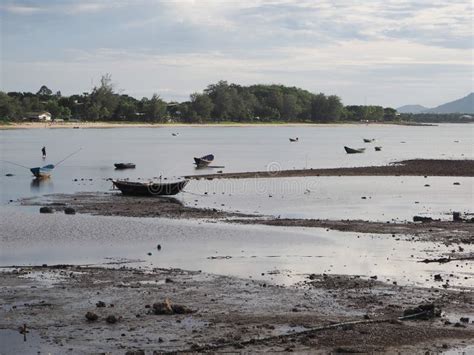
[415, 167]
[115, 204]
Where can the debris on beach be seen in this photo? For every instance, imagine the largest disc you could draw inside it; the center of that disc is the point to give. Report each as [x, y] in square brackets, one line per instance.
[422, 312]
[167, 308]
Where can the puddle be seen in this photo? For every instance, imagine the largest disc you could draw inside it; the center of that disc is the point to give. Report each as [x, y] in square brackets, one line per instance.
[244, 251]
[12, 342]
[387, 198]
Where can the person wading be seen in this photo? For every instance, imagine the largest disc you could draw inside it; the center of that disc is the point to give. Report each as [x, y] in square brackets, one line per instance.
[43, 150]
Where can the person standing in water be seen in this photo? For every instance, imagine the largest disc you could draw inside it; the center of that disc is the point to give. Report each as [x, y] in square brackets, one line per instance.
[43, 150]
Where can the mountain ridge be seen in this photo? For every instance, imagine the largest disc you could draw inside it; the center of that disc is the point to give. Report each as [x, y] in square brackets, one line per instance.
[462, 105]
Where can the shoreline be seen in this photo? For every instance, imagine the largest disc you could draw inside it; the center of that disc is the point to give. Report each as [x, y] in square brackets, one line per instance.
[104, 125]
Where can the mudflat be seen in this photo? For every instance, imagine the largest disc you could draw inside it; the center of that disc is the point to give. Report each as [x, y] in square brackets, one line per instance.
[414, 167]
[88, 309]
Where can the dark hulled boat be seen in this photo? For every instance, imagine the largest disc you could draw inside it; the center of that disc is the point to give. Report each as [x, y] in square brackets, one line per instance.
[121, 166]
[204, 161]
[149, 188]
[354, 151]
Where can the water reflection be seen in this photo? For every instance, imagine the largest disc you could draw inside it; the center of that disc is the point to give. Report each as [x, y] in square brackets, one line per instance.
[44, 184]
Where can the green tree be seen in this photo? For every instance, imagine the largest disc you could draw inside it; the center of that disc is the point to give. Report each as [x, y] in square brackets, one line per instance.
[44, 91]
[202, 105]
[155, 109]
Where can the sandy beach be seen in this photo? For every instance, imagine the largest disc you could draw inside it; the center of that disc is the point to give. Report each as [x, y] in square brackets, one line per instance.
[89, 124]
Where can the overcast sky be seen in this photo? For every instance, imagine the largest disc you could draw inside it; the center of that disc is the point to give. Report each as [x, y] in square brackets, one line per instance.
[381, 52]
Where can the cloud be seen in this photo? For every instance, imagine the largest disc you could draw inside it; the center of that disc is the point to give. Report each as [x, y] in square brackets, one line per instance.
[60, 7]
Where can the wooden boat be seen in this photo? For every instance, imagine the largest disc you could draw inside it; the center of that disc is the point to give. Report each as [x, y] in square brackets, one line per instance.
[369, 140]
[354, 151]
[149, 188]
[378, 149]
[42, 172]
[124, 166]
[204, 161]
[294, 139]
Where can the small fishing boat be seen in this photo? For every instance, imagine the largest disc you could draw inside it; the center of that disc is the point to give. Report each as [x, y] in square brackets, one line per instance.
[121, 166]
[204, 161]
[149, 188]
[354, 151]
[369, 140]
[378, 149]
[42, 172]
[293, 139]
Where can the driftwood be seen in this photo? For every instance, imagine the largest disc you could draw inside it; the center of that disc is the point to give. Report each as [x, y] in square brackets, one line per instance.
[446, 260]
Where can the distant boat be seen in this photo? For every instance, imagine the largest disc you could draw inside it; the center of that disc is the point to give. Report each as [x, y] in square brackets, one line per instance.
[378, 149]
[42, 172]
[294, 139]
[121, 166]
[174, 134]
[149, 188]
[354, 151]
[204, 161]
[369, 140]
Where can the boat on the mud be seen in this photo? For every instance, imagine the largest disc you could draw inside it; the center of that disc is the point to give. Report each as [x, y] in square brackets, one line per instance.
[204, 161]
[378, 148]
[149, 188]
[294, 139]
[121, 166]
[354, 151]
[42, 172]
[369, 140]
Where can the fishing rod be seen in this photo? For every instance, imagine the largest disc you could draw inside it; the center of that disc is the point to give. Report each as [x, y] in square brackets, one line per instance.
[70, 155]
[10, 162]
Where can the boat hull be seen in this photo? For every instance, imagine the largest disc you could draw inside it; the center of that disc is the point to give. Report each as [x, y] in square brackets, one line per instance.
[121, 166]
[42, 172]
[201, 162]
[149, 189]
[354, 151]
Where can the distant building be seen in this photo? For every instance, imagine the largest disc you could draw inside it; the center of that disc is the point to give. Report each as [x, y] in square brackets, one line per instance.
[39, 116]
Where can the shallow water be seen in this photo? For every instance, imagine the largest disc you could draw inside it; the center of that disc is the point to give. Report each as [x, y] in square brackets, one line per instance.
[387, 198]
[282, 255]
[156, 152]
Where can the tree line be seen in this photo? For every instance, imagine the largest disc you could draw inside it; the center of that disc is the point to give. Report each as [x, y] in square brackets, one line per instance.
[219, 102]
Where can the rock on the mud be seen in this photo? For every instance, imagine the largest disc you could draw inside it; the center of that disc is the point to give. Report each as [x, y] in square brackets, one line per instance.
[135, 352]
[69, 210]
[100, 304]
[438, 277]
[422, 219]
[168, 309]
[111, 319]
[46, 209]
[91, 316]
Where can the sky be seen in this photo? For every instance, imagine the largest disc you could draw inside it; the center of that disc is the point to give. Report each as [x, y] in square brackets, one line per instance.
[381, 52]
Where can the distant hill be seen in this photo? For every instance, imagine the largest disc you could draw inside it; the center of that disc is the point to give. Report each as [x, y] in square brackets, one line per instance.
[412, 109]
[463, 105]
